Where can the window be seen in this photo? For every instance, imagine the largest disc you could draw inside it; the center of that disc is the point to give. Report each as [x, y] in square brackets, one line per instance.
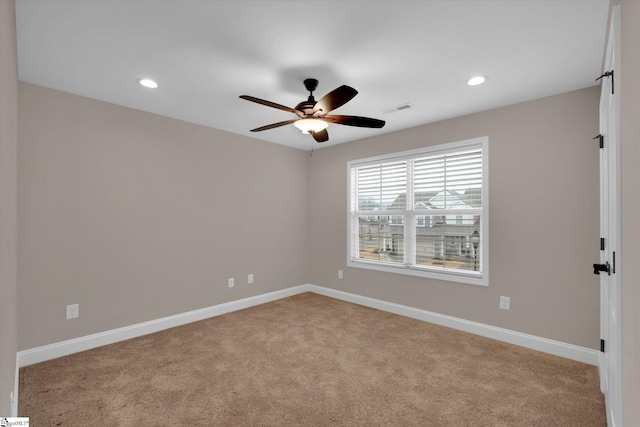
[422, 212]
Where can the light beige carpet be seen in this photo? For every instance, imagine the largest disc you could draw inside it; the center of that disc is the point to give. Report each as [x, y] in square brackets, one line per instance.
[310, 360]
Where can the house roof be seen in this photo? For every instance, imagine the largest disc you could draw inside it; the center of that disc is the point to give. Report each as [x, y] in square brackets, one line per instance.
[441, 199]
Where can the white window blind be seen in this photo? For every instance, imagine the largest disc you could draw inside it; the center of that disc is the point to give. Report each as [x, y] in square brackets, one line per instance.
[422, 212]
[379, 184]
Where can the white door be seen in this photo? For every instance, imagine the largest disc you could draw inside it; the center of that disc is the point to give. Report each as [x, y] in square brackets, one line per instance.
[610, 361]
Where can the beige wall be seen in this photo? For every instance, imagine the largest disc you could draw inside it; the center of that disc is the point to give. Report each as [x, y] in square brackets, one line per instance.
[630, 150]
[8, 202]
[135, 216]
[543, 209]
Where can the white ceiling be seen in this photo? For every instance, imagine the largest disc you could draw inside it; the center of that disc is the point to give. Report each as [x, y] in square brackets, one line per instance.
[204, 54]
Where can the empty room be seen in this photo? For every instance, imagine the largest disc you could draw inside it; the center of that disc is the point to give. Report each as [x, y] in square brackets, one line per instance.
[327, 213]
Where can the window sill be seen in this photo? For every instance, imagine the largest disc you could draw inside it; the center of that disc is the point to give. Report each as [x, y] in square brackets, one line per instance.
[467, 278]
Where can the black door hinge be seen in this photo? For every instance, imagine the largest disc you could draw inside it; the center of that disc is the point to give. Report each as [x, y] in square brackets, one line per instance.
[597, 268]
[602, 243]
[602, 345]
[608, 74]
[601, 138]
[614, 262]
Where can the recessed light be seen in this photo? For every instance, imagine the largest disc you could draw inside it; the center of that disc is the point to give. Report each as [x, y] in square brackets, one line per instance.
[476, 80]
[148, 83]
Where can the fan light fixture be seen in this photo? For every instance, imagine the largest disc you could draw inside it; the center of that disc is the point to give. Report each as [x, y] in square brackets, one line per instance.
[310, 125]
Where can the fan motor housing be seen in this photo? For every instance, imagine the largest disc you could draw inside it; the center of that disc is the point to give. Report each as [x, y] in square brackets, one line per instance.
[307, 106]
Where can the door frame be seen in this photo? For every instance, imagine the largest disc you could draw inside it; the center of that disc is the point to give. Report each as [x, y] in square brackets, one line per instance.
[610, 363]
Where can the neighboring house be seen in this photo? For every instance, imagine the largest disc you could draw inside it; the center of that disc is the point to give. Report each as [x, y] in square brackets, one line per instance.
[439, 237]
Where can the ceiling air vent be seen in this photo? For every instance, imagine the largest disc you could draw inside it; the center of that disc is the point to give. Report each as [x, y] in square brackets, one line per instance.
[397, 108]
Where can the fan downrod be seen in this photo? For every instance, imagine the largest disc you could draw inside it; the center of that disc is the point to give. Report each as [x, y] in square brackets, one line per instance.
[307, 106]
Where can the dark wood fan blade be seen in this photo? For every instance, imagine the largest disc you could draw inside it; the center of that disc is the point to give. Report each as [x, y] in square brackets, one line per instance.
[335, 99]
[363, 122]
[272, 104]
[321, 135]
[274, 125]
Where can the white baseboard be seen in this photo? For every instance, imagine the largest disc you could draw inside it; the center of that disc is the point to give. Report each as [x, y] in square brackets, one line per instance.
[557, 348]
[64, 348]
[52, 351]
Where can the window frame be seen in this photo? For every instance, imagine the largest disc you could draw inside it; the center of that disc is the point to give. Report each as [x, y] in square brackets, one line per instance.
[469, 277]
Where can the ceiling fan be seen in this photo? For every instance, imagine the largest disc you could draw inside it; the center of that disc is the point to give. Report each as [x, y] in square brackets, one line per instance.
[313, 117]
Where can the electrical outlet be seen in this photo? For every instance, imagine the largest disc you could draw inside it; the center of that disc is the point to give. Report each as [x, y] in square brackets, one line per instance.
[505, 303]
[73, 310]
[231, 282]
[250, 279]
[340, 275]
